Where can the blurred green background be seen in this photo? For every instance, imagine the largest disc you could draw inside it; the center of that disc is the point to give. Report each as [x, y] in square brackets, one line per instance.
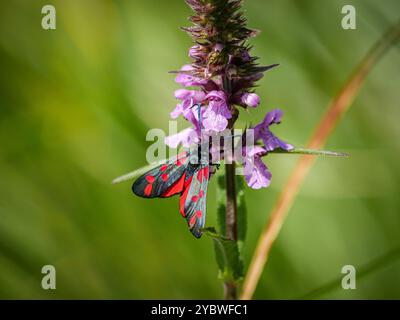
[76, 104]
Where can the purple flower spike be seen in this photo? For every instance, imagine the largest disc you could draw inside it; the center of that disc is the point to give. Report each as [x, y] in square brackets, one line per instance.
[224, 75]
[251, 100]
[262, 131]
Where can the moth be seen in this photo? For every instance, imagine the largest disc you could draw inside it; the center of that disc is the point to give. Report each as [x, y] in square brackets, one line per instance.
[188, 176]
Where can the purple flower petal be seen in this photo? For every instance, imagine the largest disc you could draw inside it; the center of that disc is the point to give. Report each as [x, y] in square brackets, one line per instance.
[182, 108]
[177, 111]
[183, 94]
[193, 51]
[216, 116]
[182, 78]
[187, 80]
[215, 122]
[190, 98]
[272, 142]
[262, 131]
[186, 137]
[252, 151]
[256, 173]
[216, 95]
[192, 115]
[273, 116]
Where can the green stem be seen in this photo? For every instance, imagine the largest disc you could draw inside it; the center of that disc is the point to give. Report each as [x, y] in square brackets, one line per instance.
[230, 288]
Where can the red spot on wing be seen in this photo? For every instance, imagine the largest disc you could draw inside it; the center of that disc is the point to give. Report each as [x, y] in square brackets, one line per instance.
[206, 173]
[181, 159]
[201, 194]
[164, 177]
[200, 175]
[148, 189]
[192, 221]
[176, 188]
[199, 214]
[150, 179]
[195, 198]
[164, 167]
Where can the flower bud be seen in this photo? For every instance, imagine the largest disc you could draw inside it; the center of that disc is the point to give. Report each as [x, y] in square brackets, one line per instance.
[251, 100]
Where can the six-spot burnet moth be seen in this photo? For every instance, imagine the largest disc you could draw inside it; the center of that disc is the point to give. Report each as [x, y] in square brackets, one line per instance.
[187, 175]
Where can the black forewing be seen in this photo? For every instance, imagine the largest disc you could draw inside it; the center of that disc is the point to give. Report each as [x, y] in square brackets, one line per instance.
[163, 181]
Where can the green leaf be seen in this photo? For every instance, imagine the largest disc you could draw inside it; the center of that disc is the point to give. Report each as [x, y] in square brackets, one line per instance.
[227, 255]
[311, 152]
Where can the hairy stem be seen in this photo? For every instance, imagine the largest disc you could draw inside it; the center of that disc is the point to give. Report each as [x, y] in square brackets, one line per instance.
[231, 222]
[230, 290]
[325, 127]
[230, 287]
